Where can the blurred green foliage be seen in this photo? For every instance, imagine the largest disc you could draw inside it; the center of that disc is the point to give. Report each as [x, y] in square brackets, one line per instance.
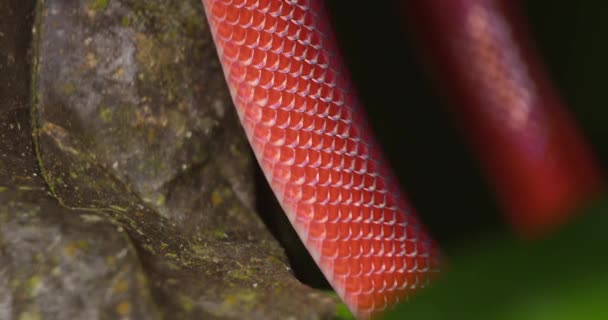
[564, 276]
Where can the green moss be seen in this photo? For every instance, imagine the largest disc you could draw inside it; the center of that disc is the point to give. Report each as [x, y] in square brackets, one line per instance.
[149, 248]
[105, 113]
[219, 234]
[243, 298]
[32, 285]
[187, 303]
[111, 261]
[3, 188]
[216, 198]
[239, 275]
[125, 21]
[161, 200]
[243, 273]
[247, 296]
[123, 308]
[56, 272]
[118, 208]
[82, 244]
[69, 88]
[98, 4]
[30, 315]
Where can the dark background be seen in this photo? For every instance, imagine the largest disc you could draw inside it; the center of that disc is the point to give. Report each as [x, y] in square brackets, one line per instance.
[411, 120]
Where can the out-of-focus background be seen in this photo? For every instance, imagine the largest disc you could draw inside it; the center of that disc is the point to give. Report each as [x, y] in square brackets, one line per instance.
[560, 278]
[412, 122]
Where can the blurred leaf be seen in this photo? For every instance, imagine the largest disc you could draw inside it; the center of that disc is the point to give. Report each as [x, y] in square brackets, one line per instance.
[342, 312]
[564, 276]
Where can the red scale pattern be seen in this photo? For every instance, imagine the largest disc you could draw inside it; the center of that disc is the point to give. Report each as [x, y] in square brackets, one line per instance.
[303, 119]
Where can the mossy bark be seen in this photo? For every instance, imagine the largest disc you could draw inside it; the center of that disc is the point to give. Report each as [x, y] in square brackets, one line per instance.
[125, 180]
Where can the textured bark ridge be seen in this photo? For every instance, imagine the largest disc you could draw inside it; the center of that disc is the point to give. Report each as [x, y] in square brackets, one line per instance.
[125, 180]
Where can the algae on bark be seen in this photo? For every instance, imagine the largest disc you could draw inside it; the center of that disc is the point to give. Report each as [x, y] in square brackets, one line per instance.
[54, 262]
[135, 198]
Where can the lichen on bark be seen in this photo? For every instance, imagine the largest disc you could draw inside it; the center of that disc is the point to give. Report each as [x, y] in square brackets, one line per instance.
[125, 179]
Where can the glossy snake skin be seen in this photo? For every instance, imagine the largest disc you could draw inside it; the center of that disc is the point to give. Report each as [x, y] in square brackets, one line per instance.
[303, 120]
[310, 136]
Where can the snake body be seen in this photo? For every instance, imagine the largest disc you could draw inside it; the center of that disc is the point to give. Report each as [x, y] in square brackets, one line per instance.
[304, 122]
[311, 138]
[528, 144]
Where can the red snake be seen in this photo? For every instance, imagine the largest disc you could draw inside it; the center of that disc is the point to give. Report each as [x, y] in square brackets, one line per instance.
[311, 138]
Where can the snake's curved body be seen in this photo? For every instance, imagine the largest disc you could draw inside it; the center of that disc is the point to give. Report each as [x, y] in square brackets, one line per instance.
[303, 119]
[528, 144]
[304, 122]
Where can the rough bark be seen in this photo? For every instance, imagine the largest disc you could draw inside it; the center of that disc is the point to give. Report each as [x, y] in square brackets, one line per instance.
[126, 185]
